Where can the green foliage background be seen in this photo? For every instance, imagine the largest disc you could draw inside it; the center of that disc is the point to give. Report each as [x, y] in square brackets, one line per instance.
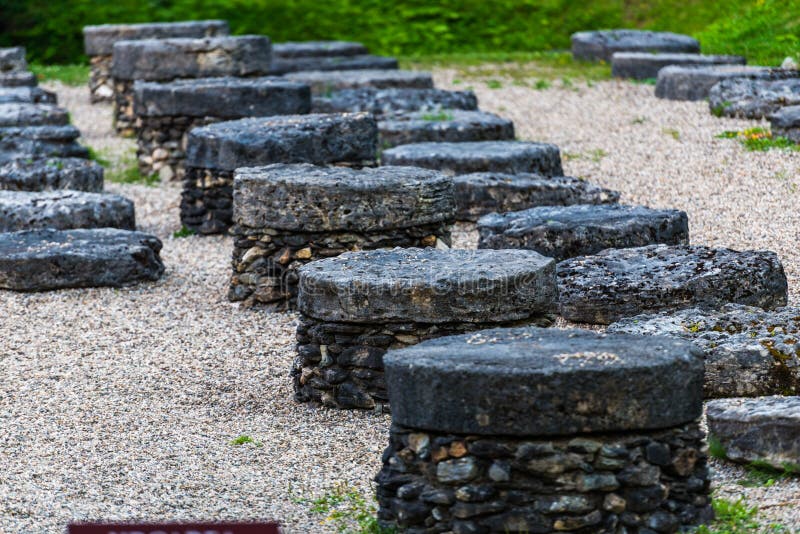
[765, 30]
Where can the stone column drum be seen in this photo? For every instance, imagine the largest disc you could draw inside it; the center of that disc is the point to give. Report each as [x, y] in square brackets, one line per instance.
[288, 215]
[358, 305]
[526, 430]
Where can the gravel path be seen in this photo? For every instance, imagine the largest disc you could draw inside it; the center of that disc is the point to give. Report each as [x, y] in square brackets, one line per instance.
[122, 403]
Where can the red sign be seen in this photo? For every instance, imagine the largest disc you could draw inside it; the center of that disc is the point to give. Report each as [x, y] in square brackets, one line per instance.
[173, 528]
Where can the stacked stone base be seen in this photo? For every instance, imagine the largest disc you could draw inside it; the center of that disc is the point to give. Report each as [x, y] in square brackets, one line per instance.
[265, 261]
[630, 482]
[161, 144]
[124, 115]
[207, 200]
[101, 86]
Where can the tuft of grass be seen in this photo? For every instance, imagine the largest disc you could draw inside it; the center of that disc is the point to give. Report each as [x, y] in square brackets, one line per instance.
[736, 517]
[183, 232]
[672, 132]
[66, 74]
[715, 448]
[96, 157]
[645, 81]
[759, 139]
[541, 85]
[494, 84]
[439, 116]
[244, 439]
[347, 510]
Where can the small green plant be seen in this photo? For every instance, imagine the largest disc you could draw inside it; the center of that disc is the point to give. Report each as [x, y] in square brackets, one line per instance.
[736, 517]
[541, 85]
[439, 116]
[96, 157]
[759, 139]
[244, 439]
[645, 81]
[128, 173]
[715, 448]
[67, 74]
[347, 510]
[597, 155]
[494, 84]
[719, 110]
[183, 232]
[672, 132]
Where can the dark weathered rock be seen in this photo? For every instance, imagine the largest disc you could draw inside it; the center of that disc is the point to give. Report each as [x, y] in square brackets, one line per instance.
[763, 429]
[51, 174]
[755, 96]
[621, 283]
[394, 100]
[64, 210]
[18, 79]
[24, 114]
[563, 232]
[13, 59]
[41, 260]
[428, 285]
[511, 382]
[694, 82]
[299, 49]
[511, 157]
[480, 193]
[601, 45]
[35, 95]
[786, 123]
[325, 83]
[32, 142]
[644, 65]
[443, 126]
[99, 40]
[749, 351]
[337, 63]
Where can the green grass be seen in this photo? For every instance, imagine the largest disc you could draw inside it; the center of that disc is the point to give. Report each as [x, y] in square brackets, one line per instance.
[244, 439]
[672, 132]
[66, 74]
[759, 139]
[736, 517]
[183, 232]
[346, 510]
[439, 116]
[124, 170]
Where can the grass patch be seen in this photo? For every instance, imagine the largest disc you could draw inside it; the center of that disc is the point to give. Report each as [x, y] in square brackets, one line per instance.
[183, 232]
[759, 139]
[595, 155]
[244, 439]
[124, 170]
[494, 84]
[347, 510]
[66, 74]
[645, 81]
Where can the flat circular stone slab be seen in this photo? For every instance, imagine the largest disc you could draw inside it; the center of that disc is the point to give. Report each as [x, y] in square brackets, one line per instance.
[693, 82]
[645, 65]
[601, 45]
[749, 351]
[18, 79]
[482, 156]
[35, 95]
[13, 59]
[452, 126]
[224, 98]
[337, 63]
[99, 40]
[17, 115]
[619, 283]
[297, 49]
[755, 96]
[393, 100]
[428, 286]
[306, 198]
[32, 142]
[40, 260]
[563, 232]
[326, 82]
[77, 174]
[64, 210]
[763, 429]
[481, 193]
[317, 139]
[544, 382]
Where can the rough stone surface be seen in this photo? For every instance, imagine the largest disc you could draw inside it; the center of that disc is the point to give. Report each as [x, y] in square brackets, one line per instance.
[763, 429]
[41, 260]
[64, 210]
[619, 283]
[511, 157]
[644, 65]
[24, 114]
[478, 194]
[693, 82]
[601, 45]
[755, 97]
[337, 63]
[393, 100]
[18, 79]
[443, 126]
[77, 174]
[99, 40]
[13, 59]
[299, 49]
[563, 232]
[35, 95]
[32, 142]
[786, 123]
[428, 285]
[325, 83]
[749, 351]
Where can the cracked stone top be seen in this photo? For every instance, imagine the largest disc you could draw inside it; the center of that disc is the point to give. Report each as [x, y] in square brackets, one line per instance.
[480, 156]
[601, 45]
[619, 283]
[444, 126]
[50, 174]
[35, 95]
[295, 49]
[644, 65]
[563, 232]
[26, 114]
[326, 82]
[693, 82]
[544, 382]
[393, 100]
[227, 98]
[428, 286]
[32, 142]
[167, 59]
[99, 40]
[13, 59]
[755, 96]
[18, 79]
[318, 139]
[337, 63]
[64, 210]
[307, 198]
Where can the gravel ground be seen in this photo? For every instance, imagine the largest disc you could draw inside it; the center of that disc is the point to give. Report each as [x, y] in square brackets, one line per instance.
[122, 404]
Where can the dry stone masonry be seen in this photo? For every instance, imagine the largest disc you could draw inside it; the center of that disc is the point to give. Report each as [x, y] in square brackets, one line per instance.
[443, 126]
[64, 210]
[51, 174]
[563, 232]
[24, 114]
[786, 123]
[485, 436]
[620, 283]
[601, 45]
[394, 100]
[34, 95]
[99, 46]
[693, 82]
[165, 112]
[645, 65]
[18, 79]
[755, 96]
[357, 305]
[168, 59]
[215, 151]
[325, 83]
[13, 60]
[33, 142]
[288, 215]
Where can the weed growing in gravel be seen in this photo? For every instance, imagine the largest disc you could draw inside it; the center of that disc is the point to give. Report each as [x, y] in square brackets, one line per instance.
[646, 81]
[672, 132]
[183, 232]
[596, 155]
[639, 120]
[440, 116]
[736, 517]
[244, 438]
[347, 510]
[719, 111]
[127, 172]
[759, 139]
[541, 85]
[66, 74]
[96, 157]
[494, 84]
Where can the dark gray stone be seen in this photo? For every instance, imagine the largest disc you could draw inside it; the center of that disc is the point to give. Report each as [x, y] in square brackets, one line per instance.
[299, 49]
[306, 198]
[13, 59]
[563, 232]
[99, 40]
[749, 351]
[511, 157]
[478, 194]
[513, 382]
[394, 100]
[41, 260]
[325, 83]
[693, 82]
[644, 65]
[443, 126]
[35, 95]
[337, 63]
[64, 210]
[32, 142]
[318, 139]
[24, 114]
[755, 96]
[786, 123]
[77, 174]
[222, 98]
[428, 286]
[601, 45]
[619, 283]
[18, 79]
[763, 429]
